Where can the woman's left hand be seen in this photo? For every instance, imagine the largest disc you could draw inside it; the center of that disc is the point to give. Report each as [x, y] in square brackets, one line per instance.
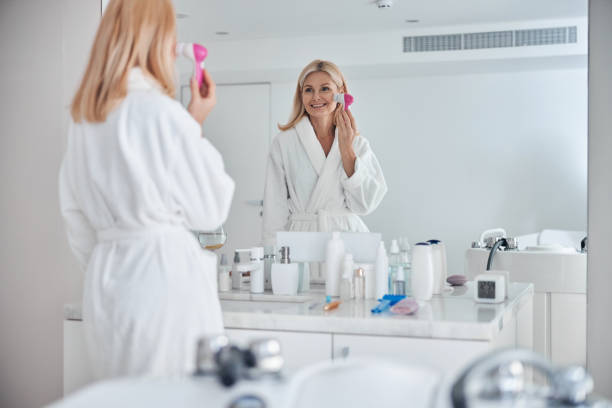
[347, 130]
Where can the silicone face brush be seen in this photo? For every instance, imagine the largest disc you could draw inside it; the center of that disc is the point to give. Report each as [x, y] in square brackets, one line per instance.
[195, 52]
[345, 99]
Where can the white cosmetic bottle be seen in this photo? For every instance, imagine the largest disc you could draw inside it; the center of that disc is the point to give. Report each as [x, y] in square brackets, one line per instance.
[382, 271]
[334, 256]
[347, 290]
[439, 265]
[422, 271]
[224, 280]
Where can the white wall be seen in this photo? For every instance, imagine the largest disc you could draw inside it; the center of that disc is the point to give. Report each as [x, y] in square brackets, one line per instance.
[44, 46]
[599, 278]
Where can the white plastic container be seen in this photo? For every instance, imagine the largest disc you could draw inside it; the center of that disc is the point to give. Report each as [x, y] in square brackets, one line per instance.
[347, 289]
[236, 274]
[382, 271]
[394, 262]
[439, 263]
[422, 271]
[334, 256]
[224, 280]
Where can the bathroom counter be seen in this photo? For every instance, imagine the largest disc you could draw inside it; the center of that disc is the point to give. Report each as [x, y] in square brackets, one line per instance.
[445, 334]
[452, 315]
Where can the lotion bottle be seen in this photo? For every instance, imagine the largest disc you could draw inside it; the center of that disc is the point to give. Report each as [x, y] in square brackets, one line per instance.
[347, 285]
[334, 256]
[382, 271]
[422, 271]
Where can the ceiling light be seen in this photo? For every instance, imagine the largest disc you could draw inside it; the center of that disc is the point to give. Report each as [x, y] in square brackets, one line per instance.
[181, 15]
[222, 32]
[412, 21]
[381, 4]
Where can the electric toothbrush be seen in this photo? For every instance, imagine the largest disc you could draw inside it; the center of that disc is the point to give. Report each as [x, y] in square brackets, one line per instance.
[345, 99]
[195, 52]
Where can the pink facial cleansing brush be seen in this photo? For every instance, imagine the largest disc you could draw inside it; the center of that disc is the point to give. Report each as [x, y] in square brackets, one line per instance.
[195, 52]
[345, 99]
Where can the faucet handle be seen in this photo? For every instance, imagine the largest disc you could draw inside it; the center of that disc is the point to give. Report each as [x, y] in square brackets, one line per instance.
[206, 350]
[572, 385]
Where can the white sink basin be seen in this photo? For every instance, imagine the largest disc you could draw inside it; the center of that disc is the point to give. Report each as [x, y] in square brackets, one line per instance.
[558, 272]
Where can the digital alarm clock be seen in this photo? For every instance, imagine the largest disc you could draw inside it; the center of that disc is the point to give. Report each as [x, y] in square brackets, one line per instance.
[489, 288]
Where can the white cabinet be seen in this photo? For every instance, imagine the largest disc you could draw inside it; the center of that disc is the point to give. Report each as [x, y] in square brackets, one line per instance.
[568, 322]
[445, 356]
[77, 368]
[299, 349]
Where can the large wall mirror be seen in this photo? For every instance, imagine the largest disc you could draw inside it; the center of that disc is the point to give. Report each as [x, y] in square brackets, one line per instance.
[477, 111]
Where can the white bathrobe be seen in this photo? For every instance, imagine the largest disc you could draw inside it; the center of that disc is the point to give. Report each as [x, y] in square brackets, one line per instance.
[131, 188]
[306, 191]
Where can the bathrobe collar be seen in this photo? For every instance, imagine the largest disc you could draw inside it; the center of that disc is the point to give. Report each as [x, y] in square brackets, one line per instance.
[138, 81]
[313, 147]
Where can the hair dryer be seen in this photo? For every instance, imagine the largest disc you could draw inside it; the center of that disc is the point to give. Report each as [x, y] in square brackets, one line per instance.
[195, 52]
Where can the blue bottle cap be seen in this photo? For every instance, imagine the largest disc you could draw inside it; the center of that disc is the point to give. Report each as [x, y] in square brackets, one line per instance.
[434, 241]
[422, 243]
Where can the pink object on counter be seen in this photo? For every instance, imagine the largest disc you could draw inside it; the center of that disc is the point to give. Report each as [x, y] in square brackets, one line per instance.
[405, 306]
[456, 280]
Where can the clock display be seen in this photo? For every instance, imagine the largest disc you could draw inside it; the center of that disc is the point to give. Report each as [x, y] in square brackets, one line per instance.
[486, 289]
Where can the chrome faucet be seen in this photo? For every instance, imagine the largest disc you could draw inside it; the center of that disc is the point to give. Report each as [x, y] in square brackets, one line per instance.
[500, 377]
[216, 356]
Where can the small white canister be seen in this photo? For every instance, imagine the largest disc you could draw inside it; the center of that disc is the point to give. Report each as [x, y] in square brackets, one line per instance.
[224, 280]
[422, 271]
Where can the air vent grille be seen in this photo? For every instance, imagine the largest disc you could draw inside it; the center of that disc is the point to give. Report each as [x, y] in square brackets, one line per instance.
[492, 39]
[542, 36]
[495, 39]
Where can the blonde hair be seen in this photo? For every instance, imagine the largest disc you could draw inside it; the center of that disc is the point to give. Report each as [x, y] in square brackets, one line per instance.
[132, 33]
[315, 66]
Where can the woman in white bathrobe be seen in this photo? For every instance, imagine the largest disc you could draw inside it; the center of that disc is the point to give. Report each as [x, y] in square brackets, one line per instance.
[137, 176]
[321, 174]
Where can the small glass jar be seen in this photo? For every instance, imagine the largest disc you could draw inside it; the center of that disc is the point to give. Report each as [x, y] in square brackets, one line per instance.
[359, 284]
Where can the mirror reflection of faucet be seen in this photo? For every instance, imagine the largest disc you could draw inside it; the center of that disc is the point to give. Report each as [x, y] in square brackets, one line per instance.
[250, 275]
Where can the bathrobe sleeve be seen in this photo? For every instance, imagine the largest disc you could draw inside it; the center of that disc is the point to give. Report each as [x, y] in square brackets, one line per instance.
[365, 189]
[201, 189]
[276, 195]
[81, 235]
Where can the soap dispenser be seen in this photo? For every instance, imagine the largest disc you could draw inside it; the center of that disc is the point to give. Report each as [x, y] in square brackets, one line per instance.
[285, 275]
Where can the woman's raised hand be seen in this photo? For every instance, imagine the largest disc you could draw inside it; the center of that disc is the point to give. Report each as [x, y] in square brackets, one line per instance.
[347, 130]
[203, 100]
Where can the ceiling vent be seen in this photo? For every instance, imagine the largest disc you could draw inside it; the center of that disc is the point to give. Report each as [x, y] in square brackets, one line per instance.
[491, 39]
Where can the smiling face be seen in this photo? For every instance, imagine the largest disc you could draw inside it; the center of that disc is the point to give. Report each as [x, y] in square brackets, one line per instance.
[318, 94]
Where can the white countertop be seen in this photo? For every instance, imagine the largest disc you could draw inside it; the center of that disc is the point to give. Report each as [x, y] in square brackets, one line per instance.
[453, 315]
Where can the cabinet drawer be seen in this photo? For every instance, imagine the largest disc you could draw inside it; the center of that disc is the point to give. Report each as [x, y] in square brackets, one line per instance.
[299, 349]
[445, 356]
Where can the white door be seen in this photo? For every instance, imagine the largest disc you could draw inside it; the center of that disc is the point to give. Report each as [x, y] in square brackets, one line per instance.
[239, 127]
